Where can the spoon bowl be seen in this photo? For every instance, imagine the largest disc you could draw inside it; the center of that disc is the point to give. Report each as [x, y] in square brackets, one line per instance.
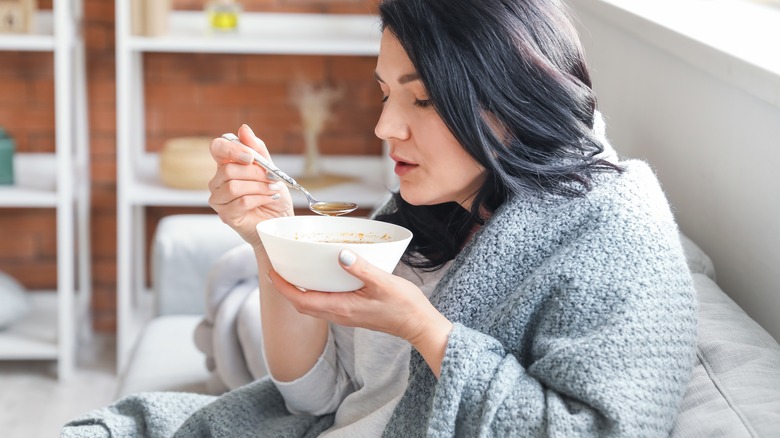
[324, 208]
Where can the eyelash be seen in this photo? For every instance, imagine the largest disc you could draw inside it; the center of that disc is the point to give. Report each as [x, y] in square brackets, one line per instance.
[417, 102]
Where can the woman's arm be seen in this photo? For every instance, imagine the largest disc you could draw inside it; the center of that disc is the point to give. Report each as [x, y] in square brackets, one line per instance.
[293, 342]
[243, 196]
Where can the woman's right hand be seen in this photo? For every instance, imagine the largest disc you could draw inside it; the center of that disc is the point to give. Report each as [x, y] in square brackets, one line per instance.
[241, 192]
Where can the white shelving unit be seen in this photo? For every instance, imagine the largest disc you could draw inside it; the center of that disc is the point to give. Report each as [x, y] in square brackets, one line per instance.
[138, 180]
[58, 180]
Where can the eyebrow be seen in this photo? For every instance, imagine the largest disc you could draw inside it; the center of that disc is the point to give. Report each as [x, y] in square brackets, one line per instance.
[404, 79]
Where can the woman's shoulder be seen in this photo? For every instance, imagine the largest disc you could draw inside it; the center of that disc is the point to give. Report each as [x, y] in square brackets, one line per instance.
[635, 190]
[617, 203]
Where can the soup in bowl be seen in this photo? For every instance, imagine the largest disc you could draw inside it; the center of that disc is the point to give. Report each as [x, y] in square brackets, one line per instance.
[304, 250]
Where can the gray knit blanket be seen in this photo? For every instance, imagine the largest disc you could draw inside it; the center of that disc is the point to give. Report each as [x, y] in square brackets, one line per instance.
[573, 318]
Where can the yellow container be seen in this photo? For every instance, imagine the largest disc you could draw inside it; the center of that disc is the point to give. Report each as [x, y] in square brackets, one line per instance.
[223, 15]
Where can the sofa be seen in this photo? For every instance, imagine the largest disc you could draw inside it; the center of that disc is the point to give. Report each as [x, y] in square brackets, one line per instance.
[734, 390]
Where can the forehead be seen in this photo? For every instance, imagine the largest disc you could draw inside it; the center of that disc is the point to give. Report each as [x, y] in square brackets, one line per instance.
[392, 60]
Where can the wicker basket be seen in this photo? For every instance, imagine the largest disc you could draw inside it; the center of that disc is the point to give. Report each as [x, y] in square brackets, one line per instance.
[185, 163]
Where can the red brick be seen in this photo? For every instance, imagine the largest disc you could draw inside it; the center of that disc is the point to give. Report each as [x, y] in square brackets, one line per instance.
[105, 301]
[41, 140]
[13, 91]
[14, 246]
[102, 119]
[173, 94]
[99, 36]
[282, 68]
[103, 236]
[360, 68]
[103, 200]
[101, 11]
[40, 275]
[102, 92]
[102, 170]
[103, 145]
[46, 246]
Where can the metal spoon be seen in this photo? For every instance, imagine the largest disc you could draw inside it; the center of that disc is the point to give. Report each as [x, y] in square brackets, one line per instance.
[320, 207]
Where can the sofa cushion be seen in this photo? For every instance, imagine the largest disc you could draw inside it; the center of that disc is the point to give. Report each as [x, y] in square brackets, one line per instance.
[15, 302]
[698, 261]
[184, 249]
[735, 387]
[166, 359]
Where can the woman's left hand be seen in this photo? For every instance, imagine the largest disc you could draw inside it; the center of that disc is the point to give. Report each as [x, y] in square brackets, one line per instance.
[386, 303]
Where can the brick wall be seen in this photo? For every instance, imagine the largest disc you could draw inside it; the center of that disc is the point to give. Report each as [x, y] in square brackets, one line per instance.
[186, 94]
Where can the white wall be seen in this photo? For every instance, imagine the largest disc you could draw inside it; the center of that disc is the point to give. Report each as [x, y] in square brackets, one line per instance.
[715, 147]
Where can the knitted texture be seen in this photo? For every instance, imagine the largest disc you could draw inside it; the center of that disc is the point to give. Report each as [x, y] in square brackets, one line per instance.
[152, 415]
[573, 317]
[254, 410]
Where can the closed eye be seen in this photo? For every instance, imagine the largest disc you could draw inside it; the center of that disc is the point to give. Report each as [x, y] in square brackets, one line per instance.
[422, 103]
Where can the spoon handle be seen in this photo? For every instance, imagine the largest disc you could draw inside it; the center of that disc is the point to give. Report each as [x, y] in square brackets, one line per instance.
[269, 166]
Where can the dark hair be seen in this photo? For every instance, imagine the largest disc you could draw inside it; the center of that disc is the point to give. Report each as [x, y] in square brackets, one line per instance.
[508, 78]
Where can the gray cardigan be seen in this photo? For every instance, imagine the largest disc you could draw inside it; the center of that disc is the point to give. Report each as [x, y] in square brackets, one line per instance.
[573, 317]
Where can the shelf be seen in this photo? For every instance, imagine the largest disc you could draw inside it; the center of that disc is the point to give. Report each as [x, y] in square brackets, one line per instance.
[41, 40]
[35, 337]
[35, 184]
[138, 180]
[372, 173]
[268, 33]
[58, 180]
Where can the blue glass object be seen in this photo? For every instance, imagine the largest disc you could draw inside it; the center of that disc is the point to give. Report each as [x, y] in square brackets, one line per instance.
[7, 147]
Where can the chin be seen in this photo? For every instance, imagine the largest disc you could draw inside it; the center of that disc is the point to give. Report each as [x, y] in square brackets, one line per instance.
[417, 199]
[410, 197]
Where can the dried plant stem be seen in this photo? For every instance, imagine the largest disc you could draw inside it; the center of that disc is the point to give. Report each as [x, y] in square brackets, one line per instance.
[314, 105]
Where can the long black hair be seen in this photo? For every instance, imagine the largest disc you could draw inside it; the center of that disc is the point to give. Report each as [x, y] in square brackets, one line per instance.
[508, 78]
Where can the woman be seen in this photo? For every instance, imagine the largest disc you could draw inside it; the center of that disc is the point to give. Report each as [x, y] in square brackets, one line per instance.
[564, 306]
[545, 291]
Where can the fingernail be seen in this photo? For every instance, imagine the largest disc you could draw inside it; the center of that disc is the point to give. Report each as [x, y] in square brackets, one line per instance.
[245, 157]
[268, 277]
[276, 196]
[275, 186]
[347, 257]
[250, 129]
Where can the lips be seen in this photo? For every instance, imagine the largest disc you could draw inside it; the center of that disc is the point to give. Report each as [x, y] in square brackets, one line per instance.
[402, 167]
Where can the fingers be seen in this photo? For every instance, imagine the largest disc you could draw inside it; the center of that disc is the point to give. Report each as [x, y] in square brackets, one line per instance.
[235, 189]
[225, 151]
[236, 171]
[248, 137]
[361, 269]
[308, 303]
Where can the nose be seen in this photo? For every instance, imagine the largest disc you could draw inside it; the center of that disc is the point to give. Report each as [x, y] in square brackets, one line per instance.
[391, 124]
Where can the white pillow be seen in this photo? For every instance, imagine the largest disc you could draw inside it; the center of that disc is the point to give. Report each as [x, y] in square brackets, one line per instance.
[15, 302]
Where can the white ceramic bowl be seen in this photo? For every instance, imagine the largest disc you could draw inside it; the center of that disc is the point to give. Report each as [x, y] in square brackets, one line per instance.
[304, 250]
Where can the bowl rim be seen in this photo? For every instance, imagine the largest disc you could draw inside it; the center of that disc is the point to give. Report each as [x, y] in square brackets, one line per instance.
[405, 232]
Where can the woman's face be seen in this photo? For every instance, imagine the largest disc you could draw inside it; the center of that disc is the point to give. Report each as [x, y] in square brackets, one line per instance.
[432, 166]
